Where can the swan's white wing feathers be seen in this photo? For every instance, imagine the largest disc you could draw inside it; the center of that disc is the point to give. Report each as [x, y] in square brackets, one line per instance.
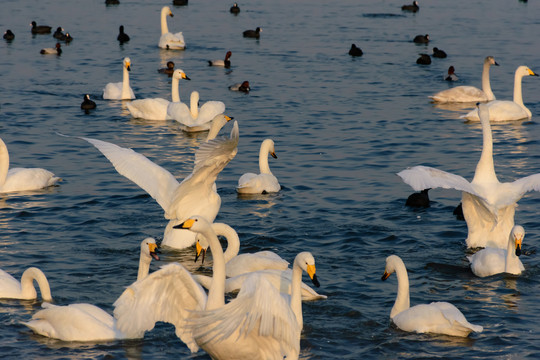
[519, 187]
[209, 110]
[460, 94]
[152, 178]
[245, 263]
[25, 179]
[424, 177]
[149, 109]
[181, 113]
[167, 294]
[172, 41]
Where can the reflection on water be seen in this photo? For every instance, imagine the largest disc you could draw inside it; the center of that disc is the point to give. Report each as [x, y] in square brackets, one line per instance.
[262, 204]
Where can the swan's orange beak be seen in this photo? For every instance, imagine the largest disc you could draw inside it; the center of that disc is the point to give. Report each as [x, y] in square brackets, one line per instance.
[128, 66]
[518, 247]
[171, 14]
[273, 155]
[311, 272]
[198, 250]
[385, 276]
[185, 225]
[153, 251]
[532, 73]
[228, 118]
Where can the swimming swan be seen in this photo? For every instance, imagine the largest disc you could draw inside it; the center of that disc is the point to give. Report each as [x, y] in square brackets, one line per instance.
[169, 40]
[11, 288]
[194, 119]
[120, 90]
[21, 179]
[488, 205]
[86, 322]
[437, 317]
[258, 324]
[265, 182]
[491, 261]
[506, 110]
[461, 94]
[195, 195]
[156, 108]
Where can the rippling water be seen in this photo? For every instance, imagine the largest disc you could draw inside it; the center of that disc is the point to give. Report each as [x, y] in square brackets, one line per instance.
[342, 126]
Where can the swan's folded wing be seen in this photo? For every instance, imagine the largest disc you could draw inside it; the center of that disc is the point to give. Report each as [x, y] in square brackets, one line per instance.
[168, 294]
[180, 112]
[152, 178]
[210, 109]
[424, 177]
[246, 263]
[453, 315]
[258, 308]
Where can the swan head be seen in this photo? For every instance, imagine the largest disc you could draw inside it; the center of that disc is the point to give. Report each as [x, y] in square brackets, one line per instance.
[306, 262]
[150, 248]
[127, 63]
[525, 71]
[269, 144]
[179, 74]
[490, 60]
[516, 235]
[392, 262]
[167, 10]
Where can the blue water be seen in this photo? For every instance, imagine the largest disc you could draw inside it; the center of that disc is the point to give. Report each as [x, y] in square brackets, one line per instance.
[342, 126]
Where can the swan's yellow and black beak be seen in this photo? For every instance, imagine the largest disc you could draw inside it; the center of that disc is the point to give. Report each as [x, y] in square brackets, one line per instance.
[273, 155]
[198, 250]
[128, 66]
[184, 76]
[518, 246]
[385, 276]
[311, 272]
[185, 225]
[228, 118]
[532, 73]
[171, 14]
[153, 250]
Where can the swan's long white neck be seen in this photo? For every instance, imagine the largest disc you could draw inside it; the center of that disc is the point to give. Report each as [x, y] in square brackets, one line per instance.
[402, 299]
[4, 162]
[518, 96]
[296, 292]
[164, 27]
[485, 169]
[216, 293]
[126, 93]
[264, 168]
[486, 86]
[194, 104]
[27, 284]
[233, 241]
[217, 124]
[175, 92]
[512, 261]
[144, 265]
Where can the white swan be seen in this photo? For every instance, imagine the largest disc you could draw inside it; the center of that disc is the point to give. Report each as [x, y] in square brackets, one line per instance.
[194, 119]
[11, 288]
[169, 40]
[195, 195]
[437, 317]
[506, 110]
[120, 90]
[460, 94]
[258, 324]
[262, 183]
[21, 179]
[488, 205]
[86, 322]
[156, 108]
[491, 261]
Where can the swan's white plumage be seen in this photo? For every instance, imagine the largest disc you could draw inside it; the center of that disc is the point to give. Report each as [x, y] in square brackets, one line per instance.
[120, 90]
[488, 205]
[87, 322]
[11, 288]
[22, 179]
[195, 119]
[156, 108]
[169, 40]
[265, 181]
[437, 317]
[195, 195]
[459, 94]
[506, 110]
[491, 261]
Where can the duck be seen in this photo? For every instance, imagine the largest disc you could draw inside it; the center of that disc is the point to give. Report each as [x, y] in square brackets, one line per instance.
[420, 199]
[11, 288]
[112, 2]
[424, 59]
[194, 195]
[22, 179]
[253, 33]
[491, 261]
[235, 9]
[265, 182]
[206, 321]
[122, 36]
[411, 7]
[41, 29]
[156, 108]
[169, 40]
[180, 2]
[438, 53]
[488, 205]
[82, 321]
[242, 87]
[169, 70]
[68, 38]
[225, 63]
[355, 51]
[421, 39]
[506, 110]
[463, 94]
[58, 34]
[57, 50]
[195, 119]
[451, 75]
[88, 104]
[9, 35]
[436, 317]
[120, 90]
